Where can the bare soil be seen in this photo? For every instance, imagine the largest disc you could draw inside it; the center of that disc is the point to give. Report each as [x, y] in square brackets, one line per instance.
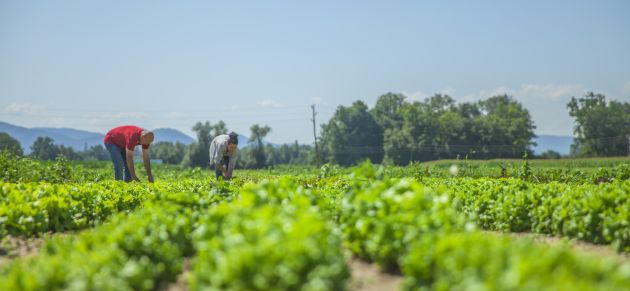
[12, 247]
[369, 277]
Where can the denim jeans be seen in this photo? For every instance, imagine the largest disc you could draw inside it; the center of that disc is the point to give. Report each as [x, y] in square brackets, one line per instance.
[119, 158]
[225, 162]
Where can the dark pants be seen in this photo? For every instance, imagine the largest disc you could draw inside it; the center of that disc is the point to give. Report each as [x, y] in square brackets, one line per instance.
[225, 162]
[119, 158]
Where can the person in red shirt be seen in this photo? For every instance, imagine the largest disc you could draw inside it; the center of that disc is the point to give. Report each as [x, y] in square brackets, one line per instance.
[121, 143]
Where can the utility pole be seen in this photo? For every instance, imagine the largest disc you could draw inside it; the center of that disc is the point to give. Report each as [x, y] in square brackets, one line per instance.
[315, 136]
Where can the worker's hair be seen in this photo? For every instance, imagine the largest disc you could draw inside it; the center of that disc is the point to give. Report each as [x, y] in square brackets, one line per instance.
[233, 138]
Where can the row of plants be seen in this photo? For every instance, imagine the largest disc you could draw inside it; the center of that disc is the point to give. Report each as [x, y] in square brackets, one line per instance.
[581, 171]
[408, 227]
[271, 235]
[594, 213]
[479, 261]
[133, 251]
[24, 169]
[29, 209]
[275, 236]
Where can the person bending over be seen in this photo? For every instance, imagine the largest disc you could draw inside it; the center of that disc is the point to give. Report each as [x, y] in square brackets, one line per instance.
[223, 154]
[121, 142]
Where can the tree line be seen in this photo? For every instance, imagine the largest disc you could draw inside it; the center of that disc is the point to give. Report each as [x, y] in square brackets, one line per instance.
[256, 154]
[396, 131]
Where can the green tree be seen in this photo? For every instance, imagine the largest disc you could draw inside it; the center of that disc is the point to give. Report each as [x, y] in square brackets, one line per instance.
[352, 135]
[219, 129]
[289, 154]
[95, 152]
[68, 152]
[168, 152]
[9, 144]
[386, 112]
[257, 134]
[601, 128]
[43, 148]
[505, 128]
[198, 153]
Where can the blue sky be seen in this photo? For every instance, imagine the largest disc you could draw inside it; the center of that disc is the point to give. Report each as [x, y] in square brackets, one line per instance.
[94, 65]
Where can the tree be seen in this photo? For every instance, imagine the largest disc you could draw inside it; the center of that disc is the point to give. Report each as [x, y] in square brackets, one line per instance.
[168, 152]
[43, 148]
[9, 144]
[386, 112]
[257, 134]
[95, 152]
[352, 135]
[289, 154]
[219, 129]
[505, 128]
[198, 154]
[550, 154]
[68, 152]
[601, 128]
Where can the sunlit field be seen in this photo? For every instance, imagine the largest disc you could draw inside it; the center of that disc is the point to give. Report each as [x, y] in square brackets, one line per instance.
[543, 224]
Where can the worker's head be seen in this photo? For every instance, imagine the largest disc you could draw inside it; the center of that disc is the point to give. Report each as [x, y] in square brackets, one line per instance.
[232, 142]
[146, 137]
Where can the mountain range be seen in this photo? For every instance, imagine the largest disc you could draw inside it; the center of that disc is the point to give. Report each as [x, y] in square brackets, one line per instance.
[79, 139]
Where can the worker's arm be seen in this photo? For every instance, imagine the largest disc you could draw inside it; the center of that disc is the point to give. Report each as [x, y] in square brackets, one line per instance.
[221, 168]
[232, 164]
[147, 163]
[132, 170]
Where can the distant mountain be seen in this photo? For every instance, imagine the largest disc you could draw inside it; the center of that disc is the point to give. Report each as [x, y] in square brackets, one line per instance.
[78, 139]
[560, 144]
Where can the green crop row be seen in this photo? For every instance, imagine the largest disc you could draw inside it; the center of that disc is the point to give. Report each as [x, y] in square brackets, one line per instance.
[479, 261]
[34, 208]
[131, 252]
[594, 213]
[401, 224]
[271, 236]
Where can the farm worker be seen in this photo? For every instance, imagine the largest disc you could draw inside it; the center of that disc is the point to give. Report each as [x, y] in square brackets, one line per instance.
[223, 154]
[121, 143]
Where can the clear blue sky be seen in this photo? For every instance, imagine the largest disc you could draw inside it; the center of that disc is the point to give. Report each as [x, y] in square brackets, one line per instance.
[96, 64]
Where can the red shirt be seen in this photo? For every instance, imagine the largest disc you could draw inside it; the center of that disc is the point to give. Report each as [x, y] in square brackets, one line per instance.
[127, 136]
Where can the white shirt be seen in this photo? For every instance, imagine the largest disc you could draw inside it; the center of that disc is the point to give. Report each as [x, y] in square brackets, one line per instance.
[218, 150]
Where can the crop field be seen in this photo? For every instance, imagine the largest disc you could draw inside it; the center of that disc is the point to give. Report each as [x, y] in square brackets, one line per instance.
[446, 225]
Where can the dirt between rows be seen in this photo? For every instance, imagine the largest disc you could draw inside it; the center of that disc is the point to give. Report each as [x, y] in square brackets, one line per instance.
[19, 247]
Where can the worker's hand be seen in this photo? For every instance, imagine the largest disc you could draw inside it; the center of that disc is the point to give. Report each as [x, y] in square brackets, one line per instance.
[228, 177]
[150, 177]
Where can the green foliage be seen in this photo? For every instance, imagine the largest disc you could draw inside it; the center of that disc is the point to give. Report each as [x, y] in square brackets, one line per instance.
[470, 261]
[437, 128]
[132, 252]
[352, 135]
[602, 128]
[35, 208]
[285, 228]
[10, 144]
[380, 219]
[598, 214]
[270, 238]
[168, 152]
[197, 154]
[258, 150]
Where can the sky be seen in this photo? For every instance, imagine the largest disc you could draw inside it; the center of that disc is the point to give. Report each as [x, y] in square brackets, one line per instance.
[94, 65]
